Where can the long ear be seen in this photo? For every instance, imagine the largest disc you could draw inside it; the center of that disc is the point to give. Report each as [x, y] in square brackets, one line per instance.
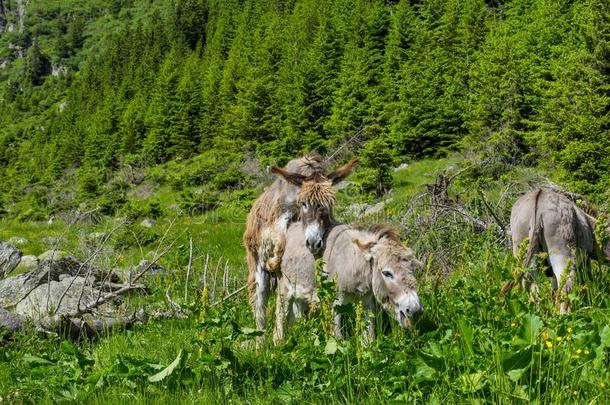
[292, 178]
[341, 173]
[365, 248]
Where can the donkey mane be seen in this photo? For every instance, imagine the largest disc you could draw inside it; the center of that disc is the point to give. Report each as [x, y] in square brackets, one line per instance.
[316, 191]
[381, 230]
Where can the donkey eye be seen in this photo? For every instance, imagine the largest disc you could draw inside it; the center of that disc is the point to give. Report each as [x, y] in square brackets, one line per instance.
[387, 274]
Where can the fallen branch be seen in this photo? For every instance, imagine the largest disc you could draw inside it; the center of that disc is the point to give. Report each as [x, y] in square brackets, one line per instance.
[234, 293]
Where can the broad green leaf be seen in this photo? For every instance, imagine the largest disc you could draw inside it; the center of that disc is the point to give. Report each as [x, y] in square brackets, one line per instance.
[467, 336]
[516, 374]
[531, 326]
[251, 332]
[423, 372]
[472, 382]
[35, 360]
[168, 370]
[331, 346]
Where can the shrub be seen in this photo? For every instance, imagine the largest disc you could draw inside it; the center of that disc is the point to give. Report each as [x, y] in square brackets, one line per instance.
[198, 201]
[132, 236]
[376, 175]
[142, 209]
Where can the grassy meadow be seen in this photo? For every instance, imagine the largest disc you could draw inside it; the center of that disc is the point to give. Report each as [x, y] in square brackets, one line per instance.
[473, 345]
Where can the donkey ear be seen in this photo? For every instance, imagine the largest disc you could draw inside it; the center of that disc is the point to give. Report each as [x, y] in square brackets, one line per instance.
[341, 173]
[365, 248]
[292, 178]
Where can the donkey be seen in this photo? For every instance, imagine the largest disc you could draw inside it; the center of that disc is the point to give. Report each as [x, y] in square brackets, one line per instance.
[556, 225]
[369, 265]
[373, 266]
[296, 287]
[303, 185]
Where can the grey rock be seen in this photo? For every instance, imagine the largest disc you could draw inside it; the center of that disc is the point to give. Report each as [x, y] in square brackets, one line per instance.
[148, 223]
[401, 167]
[364, 210]
[58, 297]
[18, 241]
[155, 268]
[28, 263]
[9, 258]
[53, 254]
[10, 322]
[96, 239]
[15, 289]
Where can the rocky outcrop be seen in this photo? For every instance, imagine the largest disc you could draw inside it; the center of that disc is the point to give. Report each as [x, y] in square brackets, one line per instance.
[53, 254]
[10, 322]
[15, 289]
[61, 297]
[9, 258]
[27, 263]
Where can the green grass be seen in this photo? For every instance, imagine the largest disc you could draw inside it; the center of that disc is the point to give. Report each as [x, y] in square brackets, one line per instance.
[474, 344]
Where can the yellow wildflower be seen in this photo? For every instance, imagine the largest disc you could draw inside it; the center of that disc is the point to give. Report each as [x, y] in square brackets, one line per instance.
[570, 329]
[545, 335]
[559, 338]
[586, 351]
[549, 344]
[578, 351]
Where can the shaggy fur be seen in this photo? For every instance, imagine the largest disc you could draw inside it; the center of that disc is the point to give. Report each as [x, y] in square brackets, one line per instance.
[275, 210]
[266, 211]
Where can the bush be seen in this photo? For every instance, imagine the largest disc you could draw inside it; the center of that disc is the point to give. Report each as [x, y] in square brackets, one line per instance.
[198, 201]
[375, 177]
[132, 236]
[113, 198]
[142, 209]
[230, 178]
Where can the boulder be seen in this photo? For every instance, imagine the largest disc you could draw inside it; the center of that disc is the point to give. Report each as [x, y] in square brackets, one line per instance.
[14, 289]
[58, 297]
[9, 258]
[53, 254]
[27, 263]
[10, 322]
[401, 167]
[155, 269]
[148, 223]
[363, 210]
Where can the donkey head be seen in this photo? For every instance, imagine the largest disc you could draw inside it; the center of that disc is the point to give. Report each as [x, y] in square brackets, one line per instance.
[316, 199]
[393, 266]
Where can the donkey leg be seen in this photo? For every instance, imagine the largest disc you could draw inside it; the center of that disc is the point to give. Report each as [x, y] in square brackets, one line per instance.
[337, 318]
[368, 333]
[281, 309]
[559, 262]
[263, 288]
[299, 308]
[528, 280]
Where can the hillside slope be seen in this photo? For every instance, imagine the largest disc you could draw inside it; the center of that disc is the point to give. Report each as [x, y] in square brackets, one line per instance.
[91, 89]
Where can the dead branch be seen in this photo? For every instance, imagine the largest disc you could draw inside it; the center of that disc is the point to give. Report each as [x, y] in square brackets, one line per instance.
[188, 270]
[234, 293]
